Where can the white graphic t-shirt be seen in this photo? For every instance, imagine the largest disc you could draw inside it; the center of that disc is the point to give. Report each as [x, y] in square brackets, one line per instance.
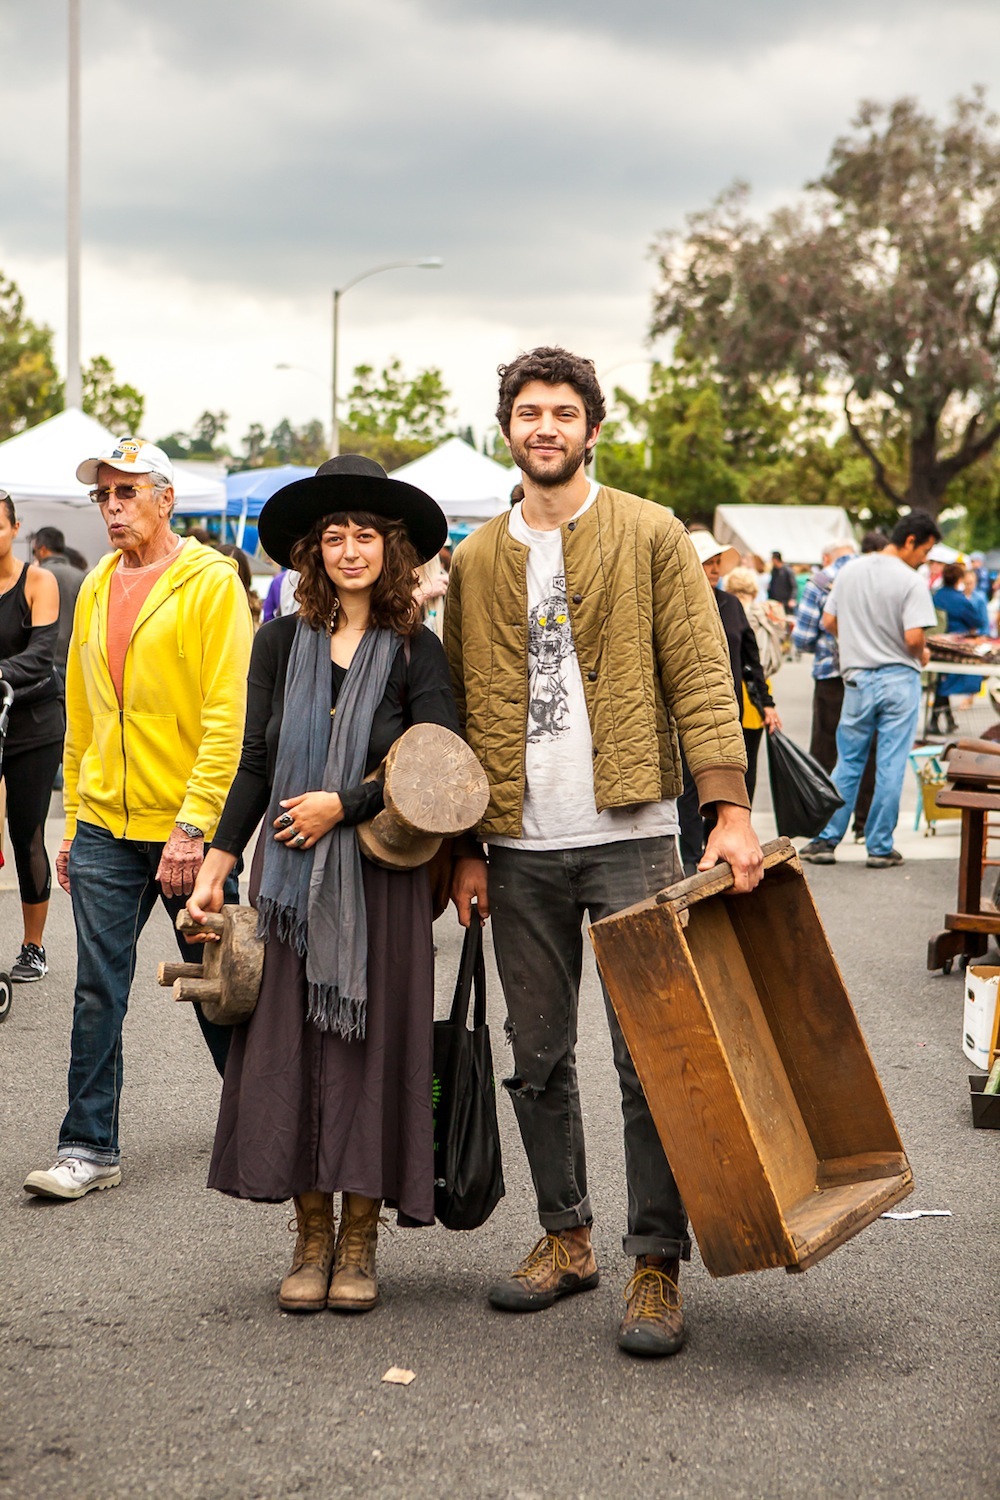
[559, 807]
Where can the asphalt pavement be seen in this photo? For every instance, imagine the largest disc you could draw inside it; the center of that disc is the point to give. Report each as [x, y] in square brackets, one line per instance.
[143, 1352]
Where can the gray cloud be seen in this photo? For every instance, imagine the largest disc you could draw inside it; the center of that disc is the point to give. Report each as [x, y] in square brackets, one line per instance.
[279, 149]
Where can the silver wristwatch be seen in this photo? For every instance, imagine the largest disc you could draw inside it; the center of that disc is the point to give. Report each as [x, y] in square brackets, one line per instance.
[191, 831]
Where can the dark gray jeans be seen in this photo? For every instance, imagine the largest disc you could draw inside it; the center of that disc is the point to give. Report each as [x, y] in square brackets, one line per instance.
[538, 899]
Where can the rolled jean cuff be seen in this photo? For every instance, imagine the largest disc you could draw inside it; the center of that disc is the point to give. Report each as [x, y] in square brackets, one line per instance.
[651, 1244]
[88, 1153]
[568, 1218]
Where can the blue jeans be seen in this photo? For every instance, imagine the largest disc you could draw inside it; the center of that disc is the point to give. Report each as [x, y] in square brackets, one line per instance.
[537, 900]
[883, 701]
[113, 891]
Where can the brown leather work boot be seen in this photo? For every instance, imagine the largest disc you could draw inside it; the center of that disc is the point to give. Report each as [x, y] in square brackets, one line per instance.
[354, 1287]
[304, 1288]
[561, 1263]
[653, 1325]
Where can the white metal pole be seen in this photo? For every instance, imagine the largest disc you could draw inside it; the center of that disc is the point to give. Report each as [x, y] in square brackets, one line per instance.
[74, 378]
[334, 410]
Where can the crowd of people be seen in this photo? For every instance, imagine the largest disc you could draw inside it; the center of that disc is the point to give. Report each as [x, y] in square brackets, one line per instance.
[616, 696]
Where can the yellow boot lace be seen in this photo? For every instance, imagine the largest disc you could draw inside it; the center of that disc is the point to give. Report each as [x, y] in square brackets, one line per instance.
[650, 1291]
[549, 1254]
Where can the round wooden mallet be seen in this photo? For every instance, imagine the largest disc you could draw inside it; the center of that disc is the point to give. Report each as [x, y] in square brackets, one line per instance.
[435, 788]
[227, 981]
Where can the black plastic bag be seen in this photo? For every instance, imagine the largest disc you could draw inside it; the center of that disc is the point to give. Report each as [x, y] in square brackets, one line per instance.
[468, 1176]
[804, 797]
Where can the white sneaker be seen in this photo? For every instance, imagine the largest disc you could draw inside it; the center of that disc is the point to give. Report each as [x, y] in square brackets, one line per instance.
[71, 1178]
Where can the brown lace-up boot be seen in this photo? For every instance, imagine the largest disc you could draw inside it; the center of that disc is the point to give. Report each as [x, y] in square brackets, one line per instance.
[653, 1324]
[561, 1263]
[354, 1287]
[304, 1288]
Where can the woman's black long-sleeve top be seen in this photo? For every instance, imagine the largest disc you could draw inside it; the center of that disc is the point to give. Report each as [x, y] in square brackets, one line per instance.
[743, 652]
[418, 692]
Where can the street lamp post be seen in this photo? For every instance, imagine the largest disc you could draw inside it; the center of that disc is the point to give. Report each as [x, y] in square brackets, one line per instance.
[429, 263]
[74, 379]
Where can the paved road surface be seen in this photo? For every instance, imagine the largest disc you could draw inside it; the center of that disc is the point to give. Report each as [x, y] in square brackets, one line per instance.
[143, 1353]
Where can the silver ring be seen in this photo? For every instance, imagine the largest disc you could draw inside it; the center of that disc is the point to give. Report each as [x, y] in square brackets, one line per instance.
[286, 820]
[299, 840]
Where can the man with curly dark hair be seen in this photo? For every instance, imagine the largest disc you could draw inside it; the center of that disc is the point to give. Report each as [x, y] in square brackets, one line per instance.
[583, 637]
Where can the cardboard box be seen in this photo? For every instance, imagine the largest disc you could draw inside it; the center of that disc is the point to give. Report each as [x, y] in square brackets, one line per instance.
[979, 1025]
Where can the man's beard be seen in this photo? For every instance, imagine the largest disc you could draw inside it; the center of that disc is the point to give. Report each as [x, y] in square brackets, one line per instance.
[549, 477]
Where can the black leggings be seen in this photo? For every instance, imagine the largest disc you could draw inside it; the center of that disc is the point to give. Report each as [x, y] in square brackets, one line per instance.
[29, 775]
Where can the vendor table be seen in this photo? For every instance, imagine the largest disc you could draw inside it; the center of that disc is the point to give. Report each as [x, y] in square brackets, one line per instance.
[936, 668]
[974, 787]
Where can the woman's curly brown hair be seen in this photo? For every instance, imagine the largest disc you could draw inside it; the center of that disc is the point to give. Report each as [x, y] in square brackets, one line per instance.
[392, 602]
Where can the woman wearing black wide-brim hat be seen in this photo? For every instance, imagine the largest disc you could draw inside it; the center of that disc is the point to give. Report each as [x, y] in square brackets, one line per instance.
[328, 1085]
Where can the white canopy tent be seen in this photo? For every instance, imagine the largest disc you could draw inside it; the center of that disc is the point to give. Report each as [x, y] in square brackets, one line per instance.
[798, 532]
[468, 486]
[38, 470]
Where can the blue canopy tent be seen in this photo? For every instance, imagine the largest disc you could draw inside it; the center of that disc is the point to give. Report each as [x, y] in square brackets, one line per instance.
[247, 492]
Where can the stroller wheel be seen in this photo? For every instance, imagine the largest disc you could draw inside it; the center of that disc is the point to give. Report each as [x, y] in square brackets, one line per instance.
[6, 995]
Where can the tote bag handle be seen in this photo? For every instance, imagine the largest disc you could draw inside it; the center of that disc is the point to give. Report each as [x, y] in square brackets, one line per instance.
[471, 976]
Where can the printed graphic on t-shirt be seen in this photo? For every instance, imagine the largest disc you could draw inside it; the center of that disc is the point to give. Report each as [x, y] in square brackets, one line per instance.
[550, 642]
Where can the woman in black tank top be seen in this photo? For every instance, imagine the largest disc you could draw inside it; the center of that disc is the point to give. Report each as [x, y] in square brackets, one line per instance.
[29, 614]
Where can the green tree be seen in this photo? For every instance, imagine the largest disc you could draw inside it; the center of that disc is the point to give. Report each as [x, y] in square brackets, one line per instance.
[202, 442]
[30, 387]
[393, 418]
[117, 407]
[701, 439]
[884, 284]
[287, 444]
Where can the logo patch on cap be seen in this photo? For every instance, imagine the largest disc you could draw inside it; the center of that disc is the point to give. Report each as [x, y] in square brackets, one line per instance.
[127, 451]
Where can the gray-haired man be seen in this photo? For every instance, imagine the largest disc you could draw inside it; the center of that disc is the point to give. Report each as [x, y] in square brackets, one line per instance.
[155, 697]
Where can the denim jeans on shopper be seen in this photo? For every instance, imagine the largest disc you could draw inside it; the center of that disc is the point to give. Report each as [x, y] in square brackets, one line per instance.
[883, 701]
[114, 890]
[538, 899]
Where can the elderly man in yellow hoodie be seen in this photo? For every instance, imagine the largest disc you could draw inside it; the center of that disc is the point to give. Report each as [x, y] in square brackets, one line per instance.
[155, 699]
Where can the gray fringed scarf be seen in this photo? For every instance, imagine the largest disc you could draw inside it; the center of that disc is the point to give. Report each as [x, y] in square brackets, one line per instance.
[315, 897]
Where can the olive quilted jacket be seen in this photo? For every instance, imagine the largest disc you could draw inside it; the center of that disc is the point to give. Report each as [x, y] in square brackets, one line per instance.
[651, 649]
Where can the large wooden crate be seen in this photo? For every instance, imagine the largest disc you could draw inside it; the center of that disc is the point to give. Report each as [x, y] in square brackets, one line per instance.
[757, 1075]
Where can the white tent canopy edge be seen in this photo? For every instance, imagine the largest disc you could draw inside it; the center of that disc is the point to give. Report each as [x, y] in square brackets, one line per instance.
[38, 470]
[798, 532]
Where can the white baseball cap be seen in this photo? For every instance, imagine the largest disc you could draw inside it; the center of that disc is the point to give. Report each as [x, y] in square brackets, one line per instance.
[131, 456]
[707, 547]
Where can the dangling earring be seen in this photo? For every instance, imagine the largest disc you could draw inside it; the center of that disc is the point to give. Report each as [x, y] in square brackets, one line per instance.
[333, 612]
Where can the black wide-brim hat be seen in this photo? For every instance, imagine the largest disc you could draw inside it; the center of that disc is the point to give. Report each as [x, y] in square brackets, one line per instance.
[349, 483]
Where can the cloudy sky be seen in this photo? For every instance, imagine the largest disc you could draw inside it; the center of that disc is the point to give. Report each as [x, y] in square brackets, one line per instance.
[241, 158]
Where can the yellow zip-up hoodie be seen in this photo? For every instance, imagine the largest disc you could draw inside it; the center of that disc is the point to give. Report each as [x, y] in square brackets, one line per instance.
[169, 753]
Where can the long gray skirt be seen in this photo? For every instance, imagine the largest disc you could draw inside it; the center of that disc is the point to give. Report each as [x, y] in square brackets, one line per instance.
[306, 1111]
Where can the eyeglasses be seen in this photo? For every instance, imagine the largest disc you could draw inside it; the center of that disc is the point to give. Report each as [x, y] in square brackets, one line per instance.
[120, 491]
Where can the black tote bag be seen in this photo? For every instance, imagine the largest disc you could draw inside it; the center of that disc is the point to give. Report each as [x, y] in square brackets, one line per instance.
[468, 1177]
[804, 797]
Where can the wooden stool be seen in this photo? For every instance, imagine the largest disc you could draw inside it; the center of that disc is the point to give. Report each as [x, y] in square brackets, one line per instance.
[227, 981]
[435, 788]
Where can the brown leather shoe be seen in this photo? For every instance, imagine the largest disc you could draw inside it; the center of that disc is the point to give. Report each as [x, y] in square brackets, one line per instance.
[653, 1324]
[304, 1288]
[561, 1263]
[354, 1288]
